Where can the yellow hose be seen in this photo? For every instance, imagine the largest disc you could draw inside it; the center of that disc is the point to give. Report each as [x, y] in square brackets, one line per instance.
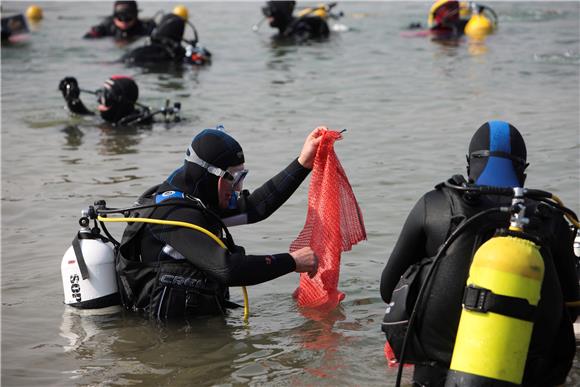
[573, 304]
[187, 225]
[568, 216]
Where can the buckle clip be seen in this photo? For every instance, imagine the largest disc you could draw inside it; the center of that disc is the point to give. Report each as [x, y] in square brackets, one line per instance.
[475, 298]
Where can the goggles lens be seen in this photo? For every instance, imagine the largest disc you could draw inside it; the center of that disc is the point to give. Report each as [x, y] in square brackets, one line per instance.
[124, 17]
[105, 97]
[237, 178]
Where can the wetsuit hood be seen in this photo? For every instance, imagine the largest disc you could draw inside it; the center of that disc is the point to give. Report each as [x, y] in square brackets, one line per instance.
[120, 96]
[497, 156]
[126, 7]
[170, 27]
[214, 147]
[280, 12]
[443, 13]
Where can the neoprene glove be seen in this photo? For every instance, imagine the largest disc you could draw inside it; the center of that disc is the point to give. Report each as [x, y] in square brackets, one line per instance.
[69, 88]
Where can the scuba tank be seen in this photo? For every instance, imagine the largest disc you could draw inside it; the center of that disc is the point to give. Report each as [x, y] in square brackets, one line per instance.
[499, 303]
[88, 269]
[483, 21]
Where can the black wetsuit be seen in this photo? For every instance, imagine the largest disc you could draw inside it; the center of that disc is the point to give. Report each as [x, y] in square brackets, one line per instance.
[108, 28]
[125, 115]
[156, 52]
[174, 272]
[430, 222]
[304, 28]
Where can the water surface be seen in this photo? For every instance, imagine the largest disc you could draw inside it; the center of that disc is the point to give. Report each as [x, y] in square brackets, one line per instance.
[410, 106]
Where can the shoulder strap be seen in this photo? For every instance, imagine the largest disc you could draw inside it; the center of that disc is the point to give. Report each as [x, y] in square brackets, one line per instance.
[80, 258]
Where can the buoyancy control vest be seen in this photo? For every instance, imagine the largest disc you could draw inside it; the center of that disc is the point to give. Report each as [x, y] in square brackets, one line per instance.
[433, 334]
[170, 287]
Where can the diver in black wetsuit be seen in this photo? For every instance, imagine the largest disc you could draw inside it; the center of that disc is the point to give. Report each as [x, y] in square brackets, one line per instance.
[117, 102]
[300, 29]
[124, 24]
[497, 157]
[164, 46]
[175, 272]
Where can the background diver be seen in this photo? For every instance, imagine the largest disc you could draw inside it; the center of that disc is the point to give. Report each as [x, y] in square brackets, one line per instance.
[123, 24]
[310, 23]
[165, 45]
[451, 19]
[117, 102]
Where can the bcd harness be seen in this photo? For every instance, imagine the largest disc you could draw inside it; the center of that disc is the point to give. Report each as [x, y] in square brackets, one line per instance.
[431, 339]
[171, 286]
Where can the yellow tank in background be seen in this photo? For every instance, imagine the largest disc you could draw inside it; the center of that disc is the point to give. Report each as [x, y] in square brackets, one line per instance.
[34, 14]
[182, 12]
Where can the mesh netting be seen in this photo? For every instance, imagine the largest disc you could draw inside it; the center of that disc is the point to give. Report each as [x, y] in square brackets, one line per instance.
[334, 224]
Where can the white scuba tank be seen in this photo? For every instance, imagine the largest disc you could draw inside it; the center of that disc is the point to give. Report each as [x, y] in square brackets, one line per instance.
[577, 244]
[88, 272]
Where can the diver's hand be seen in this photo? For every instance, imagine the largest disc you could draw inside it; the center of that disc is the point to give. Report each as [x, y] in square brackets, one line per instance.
[306, 261]
[308, 153]
[69, 88]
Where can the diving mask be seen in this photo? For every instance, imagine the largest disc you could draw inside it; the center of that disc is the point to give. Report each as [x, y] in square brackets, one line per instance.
[236, 177]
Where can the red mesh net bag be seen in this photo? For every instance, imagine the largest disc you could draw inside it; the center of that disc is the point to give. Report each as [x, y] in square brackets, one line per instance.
[334, 224]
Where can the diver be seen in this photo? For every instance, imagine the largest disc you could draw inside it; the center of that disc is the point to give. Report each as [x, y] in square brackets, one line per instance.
[497, 158]
[165, 45]
[307, 25]
[13, 26]
[123, 25]
[117, 102]
[173, 272]
[451, 19]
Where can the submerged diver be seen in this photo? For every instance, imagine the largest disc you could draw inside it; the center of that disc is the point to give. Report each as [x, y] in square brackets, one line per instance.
[164, 45]
[308, 25]
[124, 24]
[177, 272]
[117, 101]
[497, 158]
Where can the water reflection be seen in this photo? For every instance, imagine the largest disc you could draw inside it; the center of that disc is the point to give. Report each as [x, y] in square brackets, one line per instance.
[73, 137]
[319, 335]
[113, 140]
[477, 46]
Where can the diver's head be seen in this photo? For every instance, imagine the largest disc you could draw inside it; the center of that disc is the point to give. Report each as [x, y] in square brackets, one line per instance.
[213, 169]
[171, 27]
[497, 156]
[117, 98]
[444, 14]
[125, 14]
[279, 13]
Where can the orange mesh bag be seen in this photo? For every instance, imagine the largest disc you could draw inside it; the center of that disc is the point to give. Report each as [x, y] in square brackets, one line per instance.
[334, 224]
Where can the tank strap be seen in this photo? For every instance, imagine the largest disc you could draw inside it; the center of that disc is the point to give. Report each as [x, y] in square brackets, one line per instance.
[484, 300]
[80, 258]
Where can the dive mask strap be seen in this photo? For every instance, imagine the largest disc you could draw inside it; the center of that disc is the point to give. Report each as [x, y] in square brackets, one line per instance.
[505, 155]
[192, 157]
[235, 177]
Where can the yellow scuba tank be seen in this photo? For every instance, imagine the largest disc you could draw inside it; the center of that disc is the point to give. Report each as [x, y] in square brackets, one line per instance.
[320, 11]
[502, 292]
[478, 26]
